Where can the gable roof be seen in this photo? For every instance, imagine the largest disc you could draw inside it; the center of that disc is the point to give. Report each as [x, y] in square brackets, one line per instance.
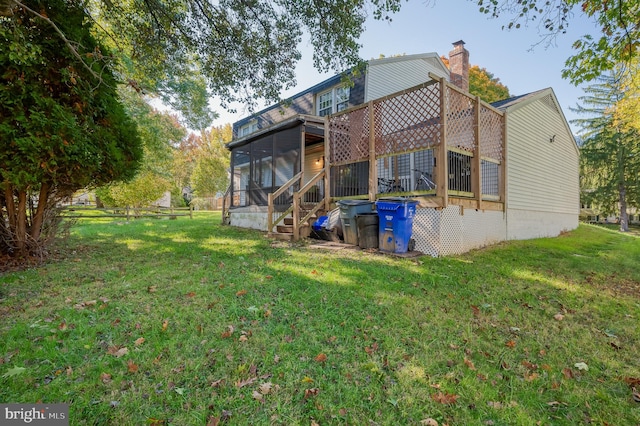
[516, 102]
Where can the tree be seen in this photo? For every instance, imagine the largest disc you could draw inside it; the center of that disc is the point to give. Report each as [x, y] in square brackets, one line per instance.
[211, 171]
[244, 50]
[62, 127]
[160, 134]
[610, 152]
[484, 84]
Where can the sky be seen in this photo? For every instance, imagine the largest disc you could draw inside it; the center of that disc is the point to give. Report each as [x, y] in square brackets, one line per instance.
[512, 56]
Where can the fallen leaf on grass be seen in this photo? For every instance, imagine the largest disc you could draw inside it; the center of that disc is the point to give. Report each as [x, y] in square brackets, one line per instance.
[429, 422]
[228, 332]
[213, 421]
[265, 388]
[476, 311]
[528, 365]
[243, 338]
[152, 289]
[581, 366]
[117, 351]
[86, 304]
[165, 324]
[306, 379]
[191, 294]
[15, 371]
[510, 344]
[635, 394]
[246, 382]
[445, 398]
[308, 393]
[531, 377]
[558, 317]
[105, 378]
[217, 383]
[371, 349]
[257, 396]
[321, 358]
[132, 367]
[567, 373]
[139, 341]
[241, 293]
[632, 381]
[469, 363]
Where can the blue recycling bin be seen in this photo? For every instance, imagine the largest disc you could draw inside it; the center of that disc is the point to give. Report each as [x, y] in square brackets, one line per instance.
[349, 209]
[395, 223]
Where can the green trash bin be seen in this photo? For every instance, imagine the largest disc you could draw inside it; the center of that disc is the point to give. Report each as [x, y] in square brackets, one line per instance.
[349, 209]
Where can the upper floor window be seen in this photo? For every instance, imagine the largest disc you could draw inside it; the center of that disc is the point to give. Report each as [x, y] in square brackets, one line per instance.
[333, 100]
[248, 128]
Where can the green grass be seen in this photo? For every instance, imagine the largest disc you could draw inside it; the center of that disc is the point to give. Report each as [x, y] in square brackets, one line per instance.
[236, 327]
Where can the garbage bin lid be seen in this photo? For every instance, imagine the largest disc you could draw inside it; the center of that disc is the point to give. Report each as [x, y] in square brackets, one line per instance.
[354, 202]
[396, 200]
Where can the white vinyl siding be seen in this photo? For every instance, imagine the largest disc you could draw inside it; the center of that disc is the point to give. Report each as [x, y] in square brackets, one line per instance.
[542, 160]
[389, 76]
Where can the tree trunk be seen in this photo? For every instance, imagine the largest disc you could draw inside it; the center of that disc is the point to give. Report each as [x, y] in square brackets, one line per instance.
[624, 217]
[20, 233]
[38, 217]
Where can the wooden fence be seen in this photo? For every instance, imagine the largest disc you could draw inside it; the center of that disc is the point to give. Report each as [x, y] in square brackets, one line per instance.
[79, 212]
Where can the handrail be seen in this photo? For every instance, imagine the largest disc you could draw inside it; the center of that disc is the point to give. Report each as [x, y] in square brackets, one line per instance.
[286, 185]
[225, 209]
[272, 196]
[297, 201]
[307, 186]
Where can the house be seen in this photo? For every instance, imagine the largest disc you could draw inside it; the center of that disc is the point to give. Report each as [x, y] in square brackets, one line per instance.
[407, 126]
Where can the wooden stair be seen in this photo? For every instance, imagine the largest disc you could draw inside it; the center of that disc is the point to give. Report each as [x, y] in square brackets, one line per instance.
[285, 231]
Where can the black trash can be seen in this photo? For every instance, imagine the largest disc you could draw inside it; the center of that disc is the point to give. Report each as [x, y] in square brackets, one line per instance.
[349, 209]
[367, 230]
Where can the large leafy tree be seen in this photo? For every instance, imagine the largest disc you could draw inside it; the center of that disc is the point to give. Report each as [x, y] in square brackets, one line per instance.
[617, 43]
[484, 84]
[61, 125]
[160, 133]
[211, 170]
[242, 50]
[610, 153]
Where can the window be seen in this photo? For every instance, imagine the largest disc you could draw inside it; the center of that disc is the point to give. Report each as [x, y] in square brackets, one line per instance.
[325, 103]
[248, 128]
[334, 100]
[342, 98]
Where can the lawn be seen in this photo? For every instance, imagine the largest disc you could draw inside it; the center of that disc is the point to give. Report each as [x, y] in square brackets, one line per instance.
[188, 322]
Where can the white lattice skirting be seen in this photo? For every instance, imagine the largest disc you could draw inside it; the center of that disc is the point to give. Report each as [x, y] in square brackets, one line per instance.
[454, 230]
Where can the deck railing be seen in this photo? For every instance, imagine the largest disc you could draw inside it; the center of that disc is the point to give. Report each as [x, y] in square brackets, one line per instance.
[432, 140]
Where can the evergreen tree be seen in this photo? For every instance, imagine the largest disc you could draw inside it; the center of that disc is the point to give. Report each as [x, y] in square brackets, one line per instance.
[610, 152]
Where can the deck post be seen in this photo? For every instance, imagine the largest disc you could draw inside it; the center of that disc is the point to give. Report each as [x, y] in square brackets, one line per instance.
[270, 212]
[296, 215]
[440, 151]
[476, 161]
[502, 176]
[373, 169]
[327, 164]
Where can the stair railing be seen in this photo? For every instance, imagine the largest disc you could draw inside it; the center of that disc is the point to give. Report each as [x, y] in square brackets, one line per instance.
[296, 205]
[226, 207]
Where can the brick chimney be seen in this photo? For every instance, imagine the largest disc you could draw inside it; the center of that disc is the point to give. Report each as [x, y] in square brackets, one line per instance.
[459, 65]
